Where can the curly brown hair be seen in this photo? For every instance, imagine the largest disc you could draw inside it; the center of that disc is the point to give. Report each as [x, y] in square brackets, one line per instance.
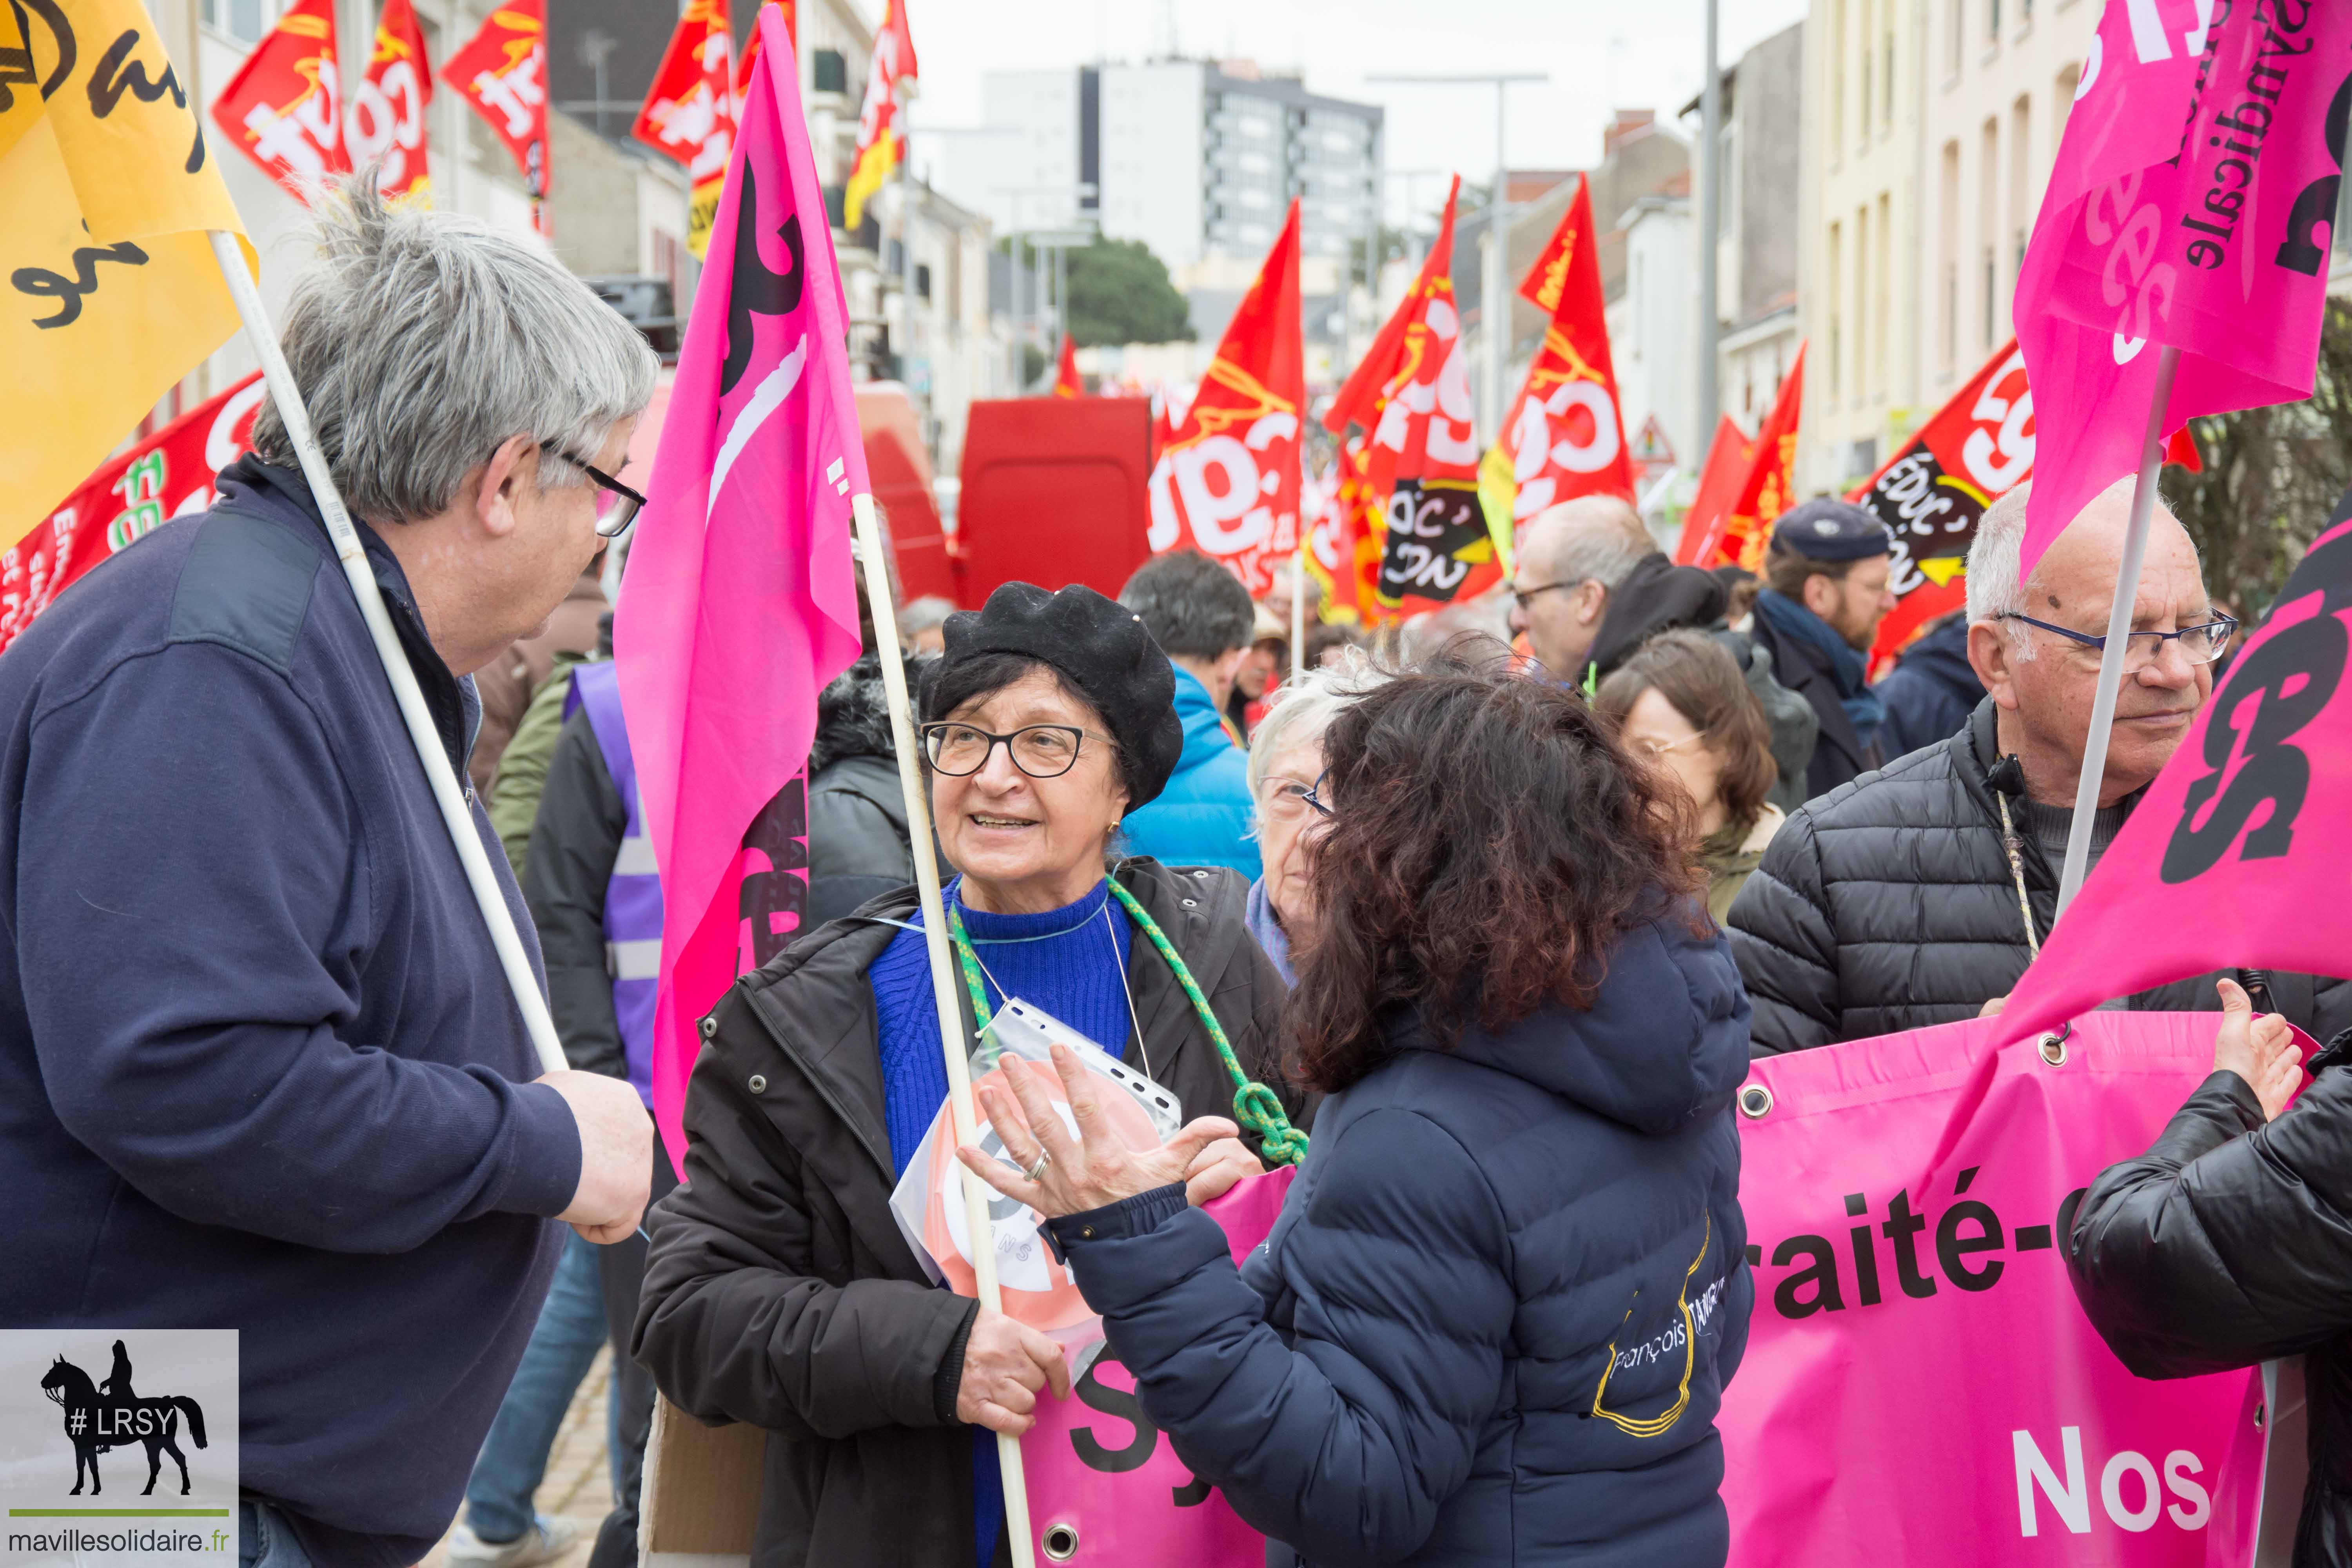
[1490, 840]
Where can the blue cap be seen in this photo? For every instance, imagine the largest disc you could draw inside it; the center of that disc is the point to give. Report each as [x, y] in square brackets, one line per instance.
[1828, 530]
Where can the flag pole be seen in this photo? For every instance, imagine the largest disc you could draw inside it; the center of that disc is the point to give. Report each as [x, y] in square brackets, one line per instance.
[944, 994]
[454, 812]
[1298, 613]
[2120, 622]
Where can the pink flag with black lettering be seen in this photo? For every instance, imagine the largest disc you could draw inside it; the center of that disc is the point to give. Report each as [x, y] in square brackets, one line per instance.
[2191, 205]
[738, 604]
[2234, 857]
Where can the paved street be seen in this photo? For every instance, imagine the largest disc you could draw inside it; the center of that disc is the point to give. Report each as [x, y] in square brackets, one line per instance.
[578, 1486]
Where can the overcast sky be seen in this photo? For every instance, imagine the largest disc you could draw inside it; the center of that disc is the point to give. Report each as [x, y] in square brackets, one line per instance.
[1602, 55]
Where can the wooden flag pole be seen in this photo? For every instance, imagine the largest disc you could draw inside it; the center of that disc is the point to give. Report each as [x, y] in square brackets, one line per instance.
[455, 812]
[2119, 623]
[960, 1115]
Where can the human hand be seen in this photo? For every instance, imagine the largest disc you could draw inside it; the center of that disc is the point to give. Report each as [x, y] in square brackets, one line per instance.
[1217, 1168]
[1005, 1365]
[1100, 1168]
[1994, 1008]
[2258, 1047]
[616, 1154]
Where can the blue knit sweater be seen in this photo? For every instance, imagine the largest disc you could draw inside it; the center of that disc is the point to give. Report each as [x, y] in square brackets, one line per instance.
[1071, 962]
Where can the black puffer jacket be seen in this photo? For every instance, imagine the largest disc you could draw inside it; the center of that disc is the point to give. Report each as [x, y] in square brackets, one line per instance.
[779, 1290]
[1889, 904]
[858, 843]
[2230, 1243]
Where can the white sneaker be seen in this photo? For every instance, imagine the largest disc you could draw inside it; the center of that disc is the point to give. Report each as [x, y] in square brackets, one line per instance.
[547, 1540]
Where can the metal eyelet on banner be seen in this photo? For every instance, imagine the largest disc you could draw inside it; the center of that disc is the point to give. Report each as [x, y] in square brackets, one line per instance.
[1061, 1543]
[1755, 1102]
[2053, 1047]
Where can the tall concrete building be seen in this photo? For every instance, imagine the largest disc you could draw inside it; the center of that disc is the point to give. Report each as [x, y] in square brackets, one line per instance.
[1757, 230]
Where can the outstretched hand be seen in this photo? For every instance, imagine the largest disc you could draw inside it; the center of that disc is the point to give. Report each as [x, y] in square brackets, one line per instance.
[2258, 1047]
[1094, 1169]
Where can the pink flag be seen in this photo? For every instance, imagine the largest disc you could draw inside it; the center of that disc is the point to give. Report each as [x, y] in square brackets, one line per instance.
[2191, 205]
[738, 604]
[2233, 857]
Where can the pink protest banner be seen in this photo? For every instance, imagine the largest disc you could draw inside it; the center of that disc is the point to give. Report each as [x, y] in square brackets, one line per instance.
[2237, 828]
[1920, 1386]
[1100, 1470]
[2191, 206]
[738, 604]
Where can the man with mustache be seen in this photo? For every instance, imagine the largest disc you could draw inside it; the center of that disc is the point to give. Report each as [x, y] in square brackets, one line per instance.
[1917, 894]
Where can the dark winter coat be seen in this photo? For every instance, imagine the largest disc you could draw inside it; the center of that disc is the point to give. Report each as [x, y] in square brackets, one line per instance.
[779, 1290]
[574, 844]
[1931, 690]
[858, 842]
[2228, 1244]
[1838, 754]
[1495, 1320]
[1889, 904]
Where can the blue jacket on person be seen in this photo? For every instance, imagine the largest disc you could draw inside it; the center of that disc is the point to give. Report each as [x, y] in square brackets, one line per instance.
[1204, 818]
[1493, 1323]
[1931, 690]
[260, 1067]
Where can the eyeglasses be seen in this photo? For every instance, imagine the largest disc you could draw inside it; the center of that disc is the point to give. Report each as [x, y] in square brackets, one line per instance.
[2198, 645]
[1657, 750]
[1041, 750]
[616, 506]
[1521, 596]
[1290, 802]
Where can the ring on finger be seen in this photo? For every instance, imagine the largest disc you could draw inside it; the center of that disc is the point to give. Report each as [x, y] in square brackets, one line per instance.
[1033, 1172]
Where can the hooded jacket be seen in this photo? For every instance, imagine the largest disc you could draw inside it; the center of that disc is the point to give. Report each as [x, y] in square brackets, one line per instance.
[859, 845]
[779, 1290]
[1838, 754]
[1204, 818]
[1493, 1323]
[1890, 904]
[1931, 690]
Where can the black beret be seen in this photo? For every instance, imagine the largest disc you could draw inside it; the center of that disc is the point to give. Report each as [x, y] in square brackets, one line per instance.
[1098, 646]
[1828, 530]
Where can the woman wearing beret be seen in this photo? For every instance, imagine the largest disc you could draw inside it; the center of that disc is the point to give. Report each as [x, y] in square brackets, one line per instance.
[779, 1290]
[1493, 1323]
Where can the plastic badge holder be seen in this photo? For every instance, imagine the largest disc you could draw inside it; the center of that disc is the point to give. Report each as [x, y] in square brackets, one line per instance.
[1030, 1033]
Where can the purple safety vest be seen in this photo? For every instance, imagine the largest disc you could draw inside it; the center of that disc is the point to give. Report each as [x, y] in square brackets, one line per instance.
[633, 900]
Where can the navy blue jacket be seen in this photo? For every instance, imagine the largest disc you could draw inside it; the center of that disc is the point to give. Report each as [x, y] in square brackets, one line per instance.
[258, 1066]
[1204, 818]
[1931, 690]
[1494, 1319]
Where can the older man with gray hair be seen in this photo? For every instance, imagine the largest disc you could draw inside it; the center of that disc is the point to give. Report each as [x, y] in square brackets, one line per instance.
[1917, 894]
[260, 1067]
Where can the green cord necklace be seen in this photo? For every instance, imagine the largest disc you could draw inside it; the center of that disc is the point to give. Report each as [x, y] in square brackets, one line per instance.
[1255, 1106]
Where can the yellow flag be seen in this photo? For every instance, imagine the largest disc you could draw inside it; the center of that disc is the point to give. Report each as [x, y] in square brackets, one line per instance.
[108, 291]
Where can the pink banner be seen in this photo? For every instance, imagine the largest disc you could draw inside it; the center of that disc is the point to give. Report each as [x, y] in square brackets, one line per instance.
[2192, 204]
[2234, 834]
[1920, 1386]
[1100, 1469]
[738, 604]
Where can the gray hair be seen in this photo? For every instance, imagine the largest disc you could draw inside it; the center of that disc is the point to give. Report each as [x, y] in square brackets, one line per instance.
[423, 340]
[1994, 590]
[1304, 709]
[1595, 539]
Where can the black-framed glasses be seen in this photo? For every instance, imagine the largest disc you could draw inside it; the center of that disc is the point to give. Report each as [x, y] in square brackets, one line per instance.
[1291, 801]
[616, 507]
[1041, 750]
[1520, 596]
[2198, 644]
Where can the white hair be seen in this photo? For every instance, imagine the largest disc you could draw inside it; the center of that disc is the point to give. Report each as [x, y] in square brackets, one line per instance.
[424, 340]
[1597, 539]
[1994, 590]
[1303, 710]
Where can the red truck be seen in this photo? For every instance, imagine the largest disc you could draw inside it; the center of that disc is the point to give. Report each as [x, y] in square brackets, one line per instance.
[1056, 491]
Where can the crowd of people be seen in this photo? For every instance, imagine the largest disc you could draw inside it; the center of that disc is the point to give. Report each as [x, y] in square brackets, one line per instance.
[1495, 930]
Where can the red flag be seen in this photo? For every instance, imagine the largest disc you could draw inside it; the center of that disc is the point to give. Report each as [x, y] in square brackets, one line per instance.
[168, 474]
[281, 107]
[1169, 402]
[1769, 488]
[1339, 551]
[1564, 437]
[1412, 392]
[881, 125]
[387, 114]
[1720, 479]
[689, 112]
[1227, 484]
[1067, 383]
[502, 72]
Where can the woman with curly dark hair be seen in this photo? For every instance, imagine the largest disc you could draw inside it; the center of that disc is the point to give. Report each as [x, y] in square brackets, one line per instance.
[1493, 1323]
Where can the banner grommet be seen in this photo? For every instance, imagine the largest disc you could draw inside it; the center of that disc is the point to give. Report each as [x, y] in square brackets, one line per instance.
[2052, 1046]
[1755, 1102]
[1061, 1541]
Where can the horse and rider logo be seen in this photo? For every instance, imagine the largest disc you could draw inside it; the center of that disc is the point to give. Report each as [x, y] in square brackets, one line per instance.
[109, 1415]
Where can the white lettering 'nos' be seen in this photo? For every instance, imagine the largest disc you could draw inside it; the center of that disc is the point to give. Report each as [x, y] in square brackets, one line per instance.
[2070, 1499]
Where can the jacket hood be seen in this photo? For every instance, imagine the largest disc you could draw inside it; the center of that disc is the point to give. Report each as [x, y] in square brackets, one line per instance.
[853, 715]
[1943, 655]
[1663, 1044]
[1204, 727]
[1656, 594]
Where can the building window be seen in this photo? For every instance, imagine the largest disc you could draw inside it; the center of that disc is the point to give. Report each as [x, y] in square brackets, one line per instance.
[1837, 298]
[1992, 21]
[1959, 33]
[1726, 218]
[1865, 127]
[1991, 294]
[1886, 116]
[922, 280]
[1837, 75]
[1948, 257]
[831, 71]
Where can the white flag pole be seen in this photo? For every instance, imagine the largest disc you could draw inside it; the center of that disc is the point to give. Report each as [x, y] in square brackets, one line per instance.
[960, 1115]
[1299, 615]
[2119, 623]
[455, 812]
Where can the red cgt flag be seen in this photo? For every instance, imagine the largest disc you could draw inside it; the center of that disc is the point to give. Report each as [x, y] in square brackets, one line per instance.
[689, 112]
[1227, 483]
[1741, 536]
[881, 126]
[387, 114]
[1719, 478]
[1067, 383]
[1564, 437]
[282, 108]
[502, 72]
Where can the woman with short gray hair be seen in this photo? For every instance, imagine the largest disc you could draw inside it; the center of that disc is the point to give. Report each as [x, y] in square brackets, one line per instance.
[1286, 771]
